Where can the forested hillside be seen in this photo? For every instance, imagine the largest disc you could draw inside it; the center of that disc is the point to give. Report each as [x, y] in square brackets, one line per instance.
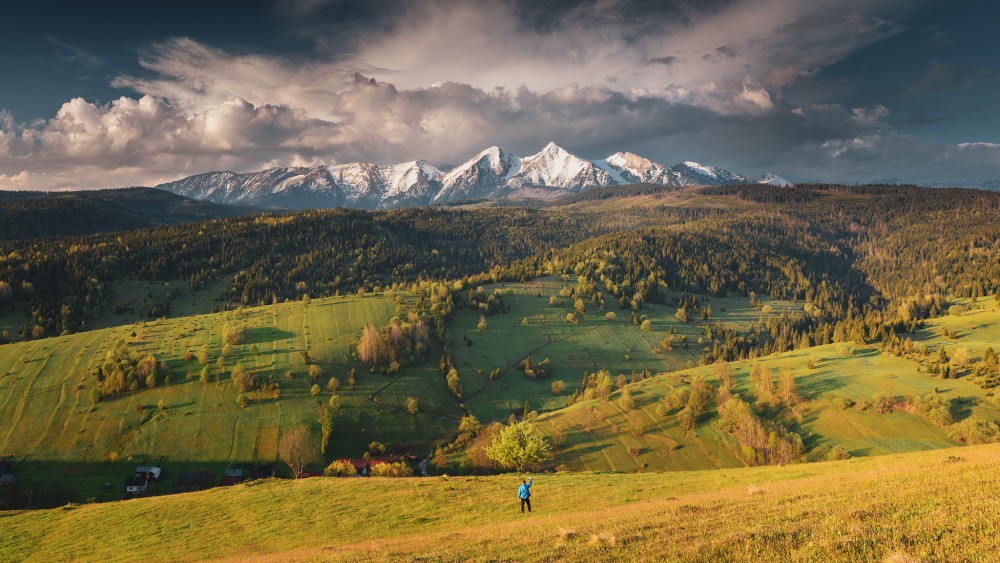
[861, 257]
[29, 215]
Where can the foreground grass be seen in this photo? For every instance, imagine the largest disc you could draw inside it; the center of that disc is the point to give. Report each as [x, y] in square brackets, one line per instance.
[938, 505]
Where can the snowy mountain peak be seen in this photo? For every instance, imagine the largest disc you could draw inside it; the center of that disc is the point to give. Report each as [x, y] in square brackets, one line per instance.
[478, 177]
[553, 149]
[493, 157]
[695, 173]
[630, 161]
[490, 174]
[775, 180]
[554, 166]
[699, 168]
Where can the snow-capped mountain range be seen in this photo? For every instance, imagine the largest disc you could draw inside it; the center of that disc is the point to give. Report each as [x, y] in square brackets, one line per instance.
[491, 174]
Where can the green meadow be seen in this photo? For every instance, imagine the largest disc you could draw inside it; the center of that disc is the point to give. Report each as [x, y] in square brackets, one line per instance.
[600, 436]
[47, 418]
[533, 327]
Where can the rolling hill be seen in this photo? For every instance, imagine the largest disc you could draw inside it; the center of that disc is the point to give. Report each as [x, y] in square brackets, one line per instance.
[532, 326]
[937, 505]
[837, 409]
[62, 435]
[46, 384]
[49, 420]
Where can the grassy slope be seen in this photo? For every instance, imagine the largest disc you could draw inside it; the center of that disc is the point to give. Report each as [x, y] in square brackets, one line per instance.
[593, 344]
[939, 505]
[45, 410]
[597, 435]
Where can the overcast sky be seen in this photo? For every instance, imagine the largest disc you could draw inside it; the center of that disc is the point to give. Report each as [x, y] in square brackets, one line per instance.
[108, 94]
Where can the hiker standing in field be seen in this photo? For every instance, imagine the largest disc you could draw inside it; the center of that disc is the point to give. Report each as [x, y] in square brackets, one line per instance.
[524, 493]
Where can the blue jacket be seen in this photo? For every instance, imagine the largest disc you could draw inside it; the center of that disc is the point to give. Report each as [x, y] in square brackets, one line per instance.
[524, 491]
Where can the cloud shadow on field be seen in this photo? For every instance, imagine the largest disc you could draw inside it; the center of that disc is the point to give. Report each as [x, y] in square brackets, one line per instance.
[261, 335]
[815, 385]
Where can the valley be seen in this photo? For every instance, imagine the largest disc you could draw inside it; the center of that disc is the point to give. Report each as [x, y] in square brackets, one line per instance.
[691, 341]
[500, 281]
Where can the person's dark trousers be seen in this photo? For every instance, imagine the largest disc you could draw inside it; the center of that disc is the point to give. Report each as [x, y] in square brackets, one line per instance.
[525, 502]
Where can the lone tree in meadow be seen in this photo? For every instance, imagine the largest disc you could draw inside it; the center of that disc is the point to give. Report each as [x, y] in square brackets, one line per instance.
[241, 379]
[296, 450]
[518, 446]
[233, 335]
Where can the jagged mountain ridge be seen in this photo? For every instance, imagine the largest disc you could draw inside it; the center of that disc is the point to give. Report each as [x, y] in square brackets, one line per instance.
[491, 174]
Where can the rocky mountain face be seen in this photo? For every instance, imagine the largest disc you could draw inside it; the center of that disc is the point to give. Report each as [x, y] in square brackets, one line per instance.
[491, 174]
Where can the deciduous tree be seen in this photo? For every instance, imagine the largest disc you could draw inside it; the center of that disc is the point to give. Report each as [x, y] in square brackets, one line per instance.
[518, 446]
[296, 450]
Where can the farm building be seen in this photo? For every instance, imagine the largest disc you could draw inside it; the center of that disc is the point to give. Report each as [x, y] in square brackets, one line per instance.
[148, 472]
[135, 485]
[233, 476]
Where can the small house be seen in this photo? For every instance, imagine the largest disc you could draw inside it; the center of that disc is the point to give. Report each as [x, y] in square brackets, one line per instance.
[234, 472]
[152, 473]
[135, 485]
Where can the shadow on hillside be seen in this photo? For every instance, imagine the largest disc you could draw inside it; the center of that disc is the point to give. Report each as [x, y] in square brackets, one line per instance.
[590, 449]
[575, 443]
[961, 408]
[810, 439]
[49, 484]
[261, 335]
[816, 384]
